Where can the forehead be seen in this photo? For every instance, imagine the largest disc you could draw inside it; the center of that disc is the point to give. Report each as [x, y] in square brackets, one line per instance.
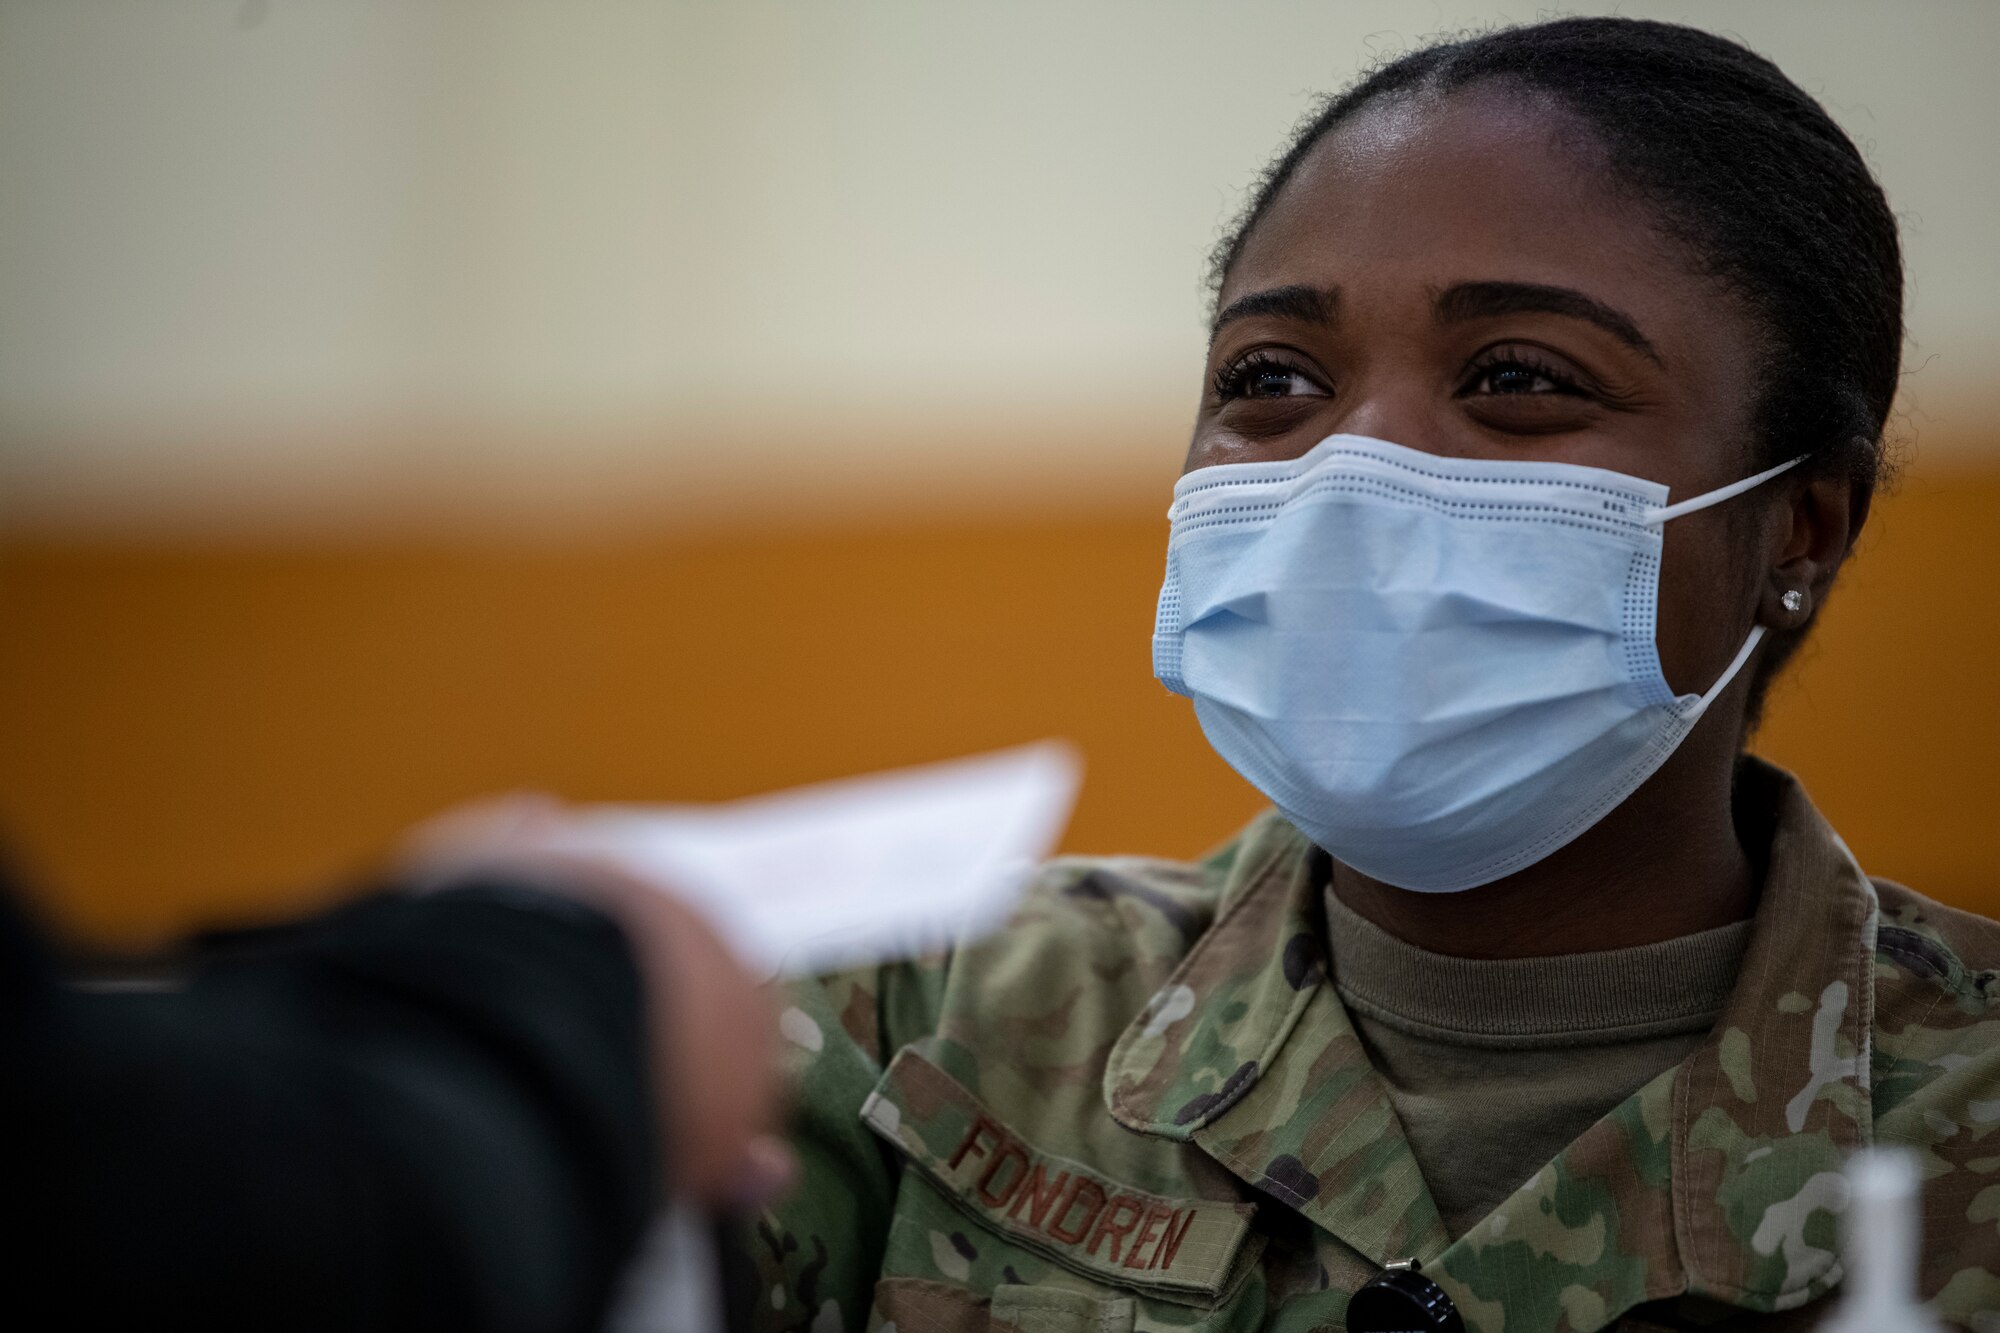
[1486, 183]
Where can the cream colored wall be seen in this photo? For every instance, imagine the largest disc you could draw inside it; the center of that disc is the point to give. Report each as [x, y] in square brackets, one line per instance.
[289, 263]
[406, 400]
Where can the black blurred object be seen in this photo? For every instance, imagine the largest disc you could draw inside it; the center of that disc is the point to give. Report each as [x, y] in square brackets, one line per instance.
[1402, 1300]
[423, 1112]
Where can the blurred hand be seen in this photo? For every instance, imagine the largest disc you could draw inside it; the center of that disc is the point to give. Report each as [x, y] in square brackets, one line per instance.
[714, 1029]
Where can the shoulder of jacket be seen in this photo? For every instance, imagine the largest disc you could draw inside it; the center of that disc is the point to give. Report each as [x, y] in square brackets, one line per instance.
[1116, 921]
[1934, 1065]
[1086, 897]
[1931, 953]
[1934, 1068]
[1112, 919]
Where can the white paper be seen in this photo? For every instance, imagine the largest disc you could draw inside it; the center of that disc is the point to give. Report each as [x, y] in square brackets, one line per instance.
[857, 871]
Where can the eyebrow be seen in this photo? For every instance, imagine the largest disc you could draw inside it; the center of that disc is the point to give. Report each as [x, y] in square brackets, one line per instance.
[1315, 305]
[1483, 300]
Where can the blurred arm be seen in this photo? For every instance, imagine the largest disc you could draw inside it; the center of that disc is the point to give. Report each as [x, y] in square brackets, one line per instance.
[420, 1112]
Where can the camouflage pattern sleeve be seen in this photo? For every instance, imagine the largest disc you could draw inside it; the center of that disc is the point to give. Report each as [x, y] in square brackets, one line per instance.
[1936, 1075]
[818, 1250]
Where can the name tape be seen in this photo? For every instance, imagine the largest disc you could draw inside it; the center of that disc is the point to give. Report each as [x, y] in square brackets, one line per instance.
[1107, 1229]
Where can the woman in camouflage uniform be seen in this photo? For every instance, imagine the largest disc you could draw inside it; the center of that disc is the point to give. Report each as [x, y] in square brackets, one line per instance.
[1612, 1087]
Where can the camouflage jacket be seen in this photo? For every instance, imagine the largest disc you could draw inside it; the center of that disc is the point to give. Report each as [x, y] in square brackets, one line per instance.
[1142, 1106]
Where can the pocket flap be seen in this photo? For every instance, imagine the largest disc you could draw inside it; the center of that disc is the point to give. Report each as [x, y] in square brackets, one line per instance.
[1018, 1309]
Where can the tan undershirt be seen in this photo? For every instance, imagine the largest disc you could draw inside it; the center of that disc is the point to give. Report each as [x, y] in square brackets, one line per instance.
[1494, 1066]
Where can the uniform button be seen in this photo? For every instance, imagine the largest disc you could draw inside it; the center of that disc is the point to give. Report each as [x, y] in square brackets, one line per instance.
[1402, 1300]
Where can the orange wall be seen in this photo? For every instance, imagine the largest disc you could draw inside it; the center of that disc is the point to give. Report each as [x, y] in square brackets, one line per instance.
[189, 733]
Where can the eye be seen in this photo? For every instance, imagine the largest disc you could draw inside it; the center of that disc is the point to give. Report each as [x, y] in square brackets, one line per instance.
[1515, 379]
[1520, 389]
[1260, 375]
[1513, 372]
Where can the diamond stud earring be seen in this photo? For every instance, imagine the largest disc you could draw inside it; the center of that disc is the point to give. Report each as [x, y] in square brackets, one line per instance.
[1793, 600]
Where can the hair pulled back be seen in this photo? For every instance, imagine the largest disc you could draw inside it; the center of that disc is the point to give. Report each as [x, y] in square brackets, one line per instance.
[1741, 167]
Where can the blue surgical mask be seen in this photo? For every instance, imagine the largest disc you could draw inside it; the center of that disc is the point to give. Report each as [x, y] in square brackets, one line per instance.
[1440, 669]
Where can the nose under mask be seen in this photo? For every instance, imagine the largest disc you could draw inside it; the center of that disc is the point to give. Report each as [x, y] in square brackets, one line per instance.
[1440, 669]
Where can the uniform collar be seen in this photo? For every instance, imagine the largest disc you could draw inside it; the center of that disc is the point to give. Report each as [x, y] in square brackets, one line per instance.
[1249, 1054]
[1715, 1180]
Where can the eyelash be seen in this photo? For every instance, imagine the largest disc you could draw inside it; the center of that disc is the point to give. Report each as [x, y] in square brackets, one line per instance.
[1516, 358]
[1232, 381]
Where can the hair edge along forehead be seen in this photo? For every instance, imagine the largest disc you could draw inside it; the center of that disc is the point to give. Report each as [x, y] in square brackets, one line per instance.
[1742, 167]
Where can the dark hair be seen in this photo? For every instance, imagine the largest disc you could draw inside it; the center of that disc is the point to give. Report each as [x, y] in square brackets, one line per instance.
[1743, 168]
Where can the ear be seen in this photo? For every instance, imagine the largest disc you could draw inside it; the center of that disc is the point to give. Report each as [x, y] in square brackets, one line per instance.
[1809, 540]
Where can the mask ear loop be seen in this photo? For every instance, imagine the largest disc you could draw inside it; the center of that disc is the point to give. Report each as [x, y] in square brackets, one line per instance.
[1700, 706]
[1664, 513]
